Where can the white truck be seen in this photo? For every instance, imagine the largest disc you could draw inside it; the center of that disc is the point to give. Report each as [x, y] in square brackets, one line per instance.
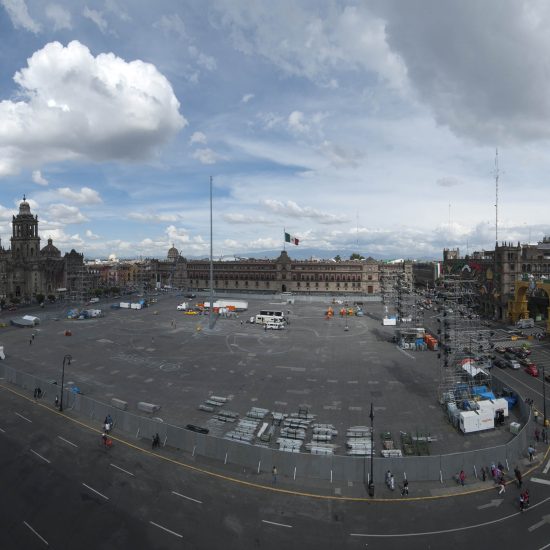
[525, 323]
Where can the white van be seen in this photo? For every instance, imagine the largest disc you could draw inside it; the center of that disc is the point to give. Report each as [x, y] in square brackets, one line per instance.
[274, 326]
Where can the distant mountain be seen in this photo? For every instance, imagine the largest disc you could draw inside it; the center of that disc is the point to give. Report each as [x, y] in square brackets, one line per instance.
[301, 253]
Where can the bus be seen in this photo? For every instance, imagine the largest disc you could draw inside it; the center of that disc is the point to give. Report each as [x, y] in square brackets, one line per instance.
[270, 316]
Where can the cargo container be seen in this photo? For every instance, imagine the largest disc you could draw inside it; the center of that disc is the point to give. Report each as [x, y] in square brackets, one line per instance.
[476, 421]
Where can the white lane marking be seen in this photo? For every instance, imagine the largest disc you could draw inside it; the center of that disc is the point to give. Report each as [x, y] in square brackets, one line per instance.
[4, 431]
[96, 492]
[188, 498]
[544, 547]
[122, 469]
[454, 530]
[67, 441]
[545, 519]
[546, 468]
[406, 353]
[41, 538]
[40, 456]
[165, 529]
[24, 418]
[278, 524]
[538, 480]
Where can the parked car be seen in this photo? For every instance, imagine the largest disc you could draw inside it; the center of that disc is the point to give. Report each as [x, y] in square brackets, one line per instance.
[198, 429]
[532, 370]
[499, 363]
[514, 364]
[190, 295]
[526, 362]
[500, 349]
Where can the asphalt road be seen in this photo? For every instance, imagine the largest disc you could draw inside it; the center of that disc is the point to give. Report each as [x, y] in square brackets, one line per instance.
[61, 489]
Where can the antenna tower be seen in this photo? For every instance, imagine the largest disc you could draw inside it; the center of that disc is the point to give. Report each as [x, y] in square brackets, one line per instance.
[496, 196]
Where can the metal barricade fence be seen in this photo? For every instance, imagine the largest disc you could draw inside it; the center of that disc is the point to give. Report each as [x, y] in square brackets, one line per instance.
[292, 465]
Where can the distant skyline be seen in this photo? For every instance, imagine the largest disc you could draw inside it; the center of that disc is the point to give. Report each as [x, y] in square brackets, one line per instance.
[366, 127]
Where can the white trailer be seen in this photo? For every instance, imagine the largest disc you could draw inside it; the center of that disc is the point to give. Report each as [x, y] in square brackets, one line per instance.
[125, 305]
[476, 421]
[494, 405]
[236, 305]
[389, 321]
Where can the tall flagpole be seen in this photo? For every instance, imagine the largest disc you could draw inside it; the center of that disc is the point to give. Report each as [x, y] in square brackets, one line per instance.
[211, 309]
[284, 238]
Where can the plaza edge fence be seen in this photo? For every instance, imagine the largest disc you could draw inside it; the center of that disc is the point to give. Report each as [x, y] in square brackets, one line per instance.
[256, 459]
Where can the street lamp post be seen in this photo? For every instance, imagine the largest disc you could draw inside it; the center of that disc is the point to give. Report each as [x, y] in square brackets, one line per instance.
[371, 480]
[543, 397]
[66, 359]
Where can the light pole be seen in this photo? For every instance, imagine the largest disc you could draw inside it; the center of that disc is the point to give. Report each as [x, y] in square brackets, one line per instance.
[543, 398]
[66, 359]
[371, 481]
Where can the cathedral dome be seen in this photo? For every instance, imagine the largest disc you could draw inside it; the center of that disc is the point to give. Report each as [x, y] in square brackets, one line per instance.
[24, 207]
[173, 253]
[50, 250]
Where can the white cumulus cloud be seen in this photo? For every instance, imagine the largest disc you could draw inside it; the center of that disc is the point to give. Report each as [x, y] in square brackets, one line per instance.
[38, 178]
[19, 15]
[197, 137]
[77, 106]
[206, 156]
[60, 16]
[65, 214]
[84, 196]
[96, 17]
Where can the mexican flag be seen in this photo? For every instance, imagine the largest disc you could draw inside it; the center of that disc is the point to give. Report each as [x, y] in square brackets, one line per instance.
[290, 239]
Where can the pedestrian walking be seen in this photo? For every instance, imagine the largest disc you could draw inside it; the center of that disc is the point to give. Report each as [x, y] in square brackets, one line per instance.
[30, 342]
[392, 483]
[388, 475]
[483, 474]
[544, 435]
[526, 499]
[156, 441]
[56, 402]
[517, 473]
[531, 452]
[35, 392]
[537, 435]
[536, 416]
[405, 490]
[462, 477]
[521, 502]
[38, 392]
[274, 474]
[502, 485]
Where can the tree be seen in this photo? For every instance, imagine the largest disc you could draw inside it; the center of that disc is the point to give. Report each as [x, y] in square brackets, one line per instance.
[356, 256]
[337, 258]
[40, 298]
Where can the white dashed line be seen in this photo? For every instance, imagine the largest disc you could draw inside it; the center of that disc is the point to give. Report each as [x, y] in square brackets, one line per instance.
[542, 481]
[2, 431]
[24, 418]
[122, 469]
[277, 524]
[41, 538]
[40, 456]
[96, 492]
[67, 441]
[546, 468]
[165, 529]
[188, 498]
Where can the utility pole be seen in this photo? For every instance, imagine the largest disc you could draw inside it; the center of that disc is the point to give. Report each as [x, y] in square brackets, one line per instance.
[211, 309]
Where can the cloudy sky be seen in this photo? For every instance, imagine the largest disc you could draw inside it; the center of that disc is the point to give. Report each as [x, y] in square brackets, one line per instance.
[366, 126]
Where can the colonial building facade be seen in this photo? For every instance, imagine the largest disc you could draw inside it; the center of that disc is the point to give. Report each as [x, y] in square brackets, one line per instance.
[26, 270]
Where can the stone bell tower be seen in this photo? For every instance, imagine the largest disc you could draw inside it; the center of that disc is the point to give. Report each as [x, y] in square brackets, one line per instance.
[25, 242]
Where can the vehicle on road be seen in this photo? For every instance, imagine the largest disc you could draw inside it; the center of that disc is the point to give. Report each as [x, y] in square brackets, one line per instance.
[191, 312]
[182, 306]
[198, 429]
[513, 364]
[500, 349]
[275, 326]
[532, 370]
[499, 363]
